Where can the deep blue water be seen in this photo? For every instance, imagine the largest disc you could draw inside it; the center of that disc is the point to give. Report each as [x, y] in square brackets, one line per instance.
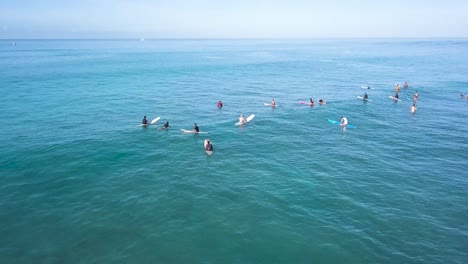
[82, 182]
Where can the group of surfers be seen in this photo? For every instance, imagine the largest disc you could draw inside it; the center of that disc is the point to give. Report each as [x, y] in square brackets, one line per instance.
[320, 101]
[145, 122]
[415, 96]
[343, 122]
[397, 97]
[196, 129]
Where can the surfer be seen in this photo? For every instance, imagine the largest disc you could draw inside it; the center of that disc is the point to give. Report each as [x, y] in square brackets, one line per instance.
[405, 85]
[344, 121]
[220, 104]
[397, 87]
[242, 119]
[366, 96]
[311, 102]
[144, 121]
[464, 96]
[208, 146]
[273, 103]
[322, 102]
[413, 108]
[166, 125]
[415, 96]
[195, 128]
[396, 96]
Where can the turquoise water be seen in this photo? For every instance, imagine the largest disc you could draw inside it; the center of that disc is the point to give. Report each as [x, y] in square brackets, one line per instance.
[82, 182]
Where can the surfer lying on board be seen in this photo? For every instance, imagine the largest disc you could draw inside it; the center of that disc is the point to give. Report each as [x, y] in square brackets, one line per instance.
[144, 121]
[209, 146]
[322, 102]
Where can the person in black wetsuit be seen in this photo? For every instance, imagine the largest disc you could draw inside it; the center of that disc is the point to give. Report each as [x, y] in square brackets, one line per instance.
[396, 96]
[366, 96]
[144, 121]
[166, 125]
[195, 128]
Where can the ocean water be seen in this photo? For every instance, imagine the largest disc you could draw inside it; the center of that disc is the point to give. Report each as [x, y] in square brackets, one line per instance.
[82, 182]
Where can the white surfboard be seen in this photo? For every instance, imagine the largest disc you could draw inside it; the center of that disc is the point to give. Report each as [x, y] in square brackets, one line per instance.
[155, 120]
[394, 98]
[209, 152]
[192, 132]
[246, 120]
[362, 98]
[266, 104]
[366, 87]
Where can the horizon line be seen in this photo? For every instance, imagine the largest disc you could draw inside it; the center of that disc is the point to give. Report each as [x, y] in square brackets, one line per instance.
[233, 38]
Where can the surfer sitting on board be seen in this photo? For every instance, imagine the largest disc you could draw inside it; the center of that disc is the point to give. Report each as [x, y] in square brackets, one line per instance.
[311, 102]
[273, 103]
[195, 128]
[166, 125]
[396, 96]
[242, 119]
[208, 146]
[366, 96]
[344, 121]
[144, 121]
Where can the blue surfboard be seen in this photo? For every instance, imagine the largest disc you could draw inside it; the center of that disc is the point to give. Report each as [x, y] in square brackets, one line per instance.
[339, 123]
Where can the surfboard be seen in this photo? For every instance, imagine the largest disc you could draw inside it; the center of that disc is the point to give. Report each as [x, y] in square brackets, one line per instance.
[366, 87]
[247, 120]
[393, 98]
[339, 123]
[155, 120]
[209, 152]
[192, 132]
[265, 104]
[362, 98]
[305, 103]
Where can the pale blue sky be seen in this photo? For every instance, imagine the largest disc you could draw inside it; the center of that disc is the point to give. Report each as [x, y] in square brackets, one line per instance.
[232, 19]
